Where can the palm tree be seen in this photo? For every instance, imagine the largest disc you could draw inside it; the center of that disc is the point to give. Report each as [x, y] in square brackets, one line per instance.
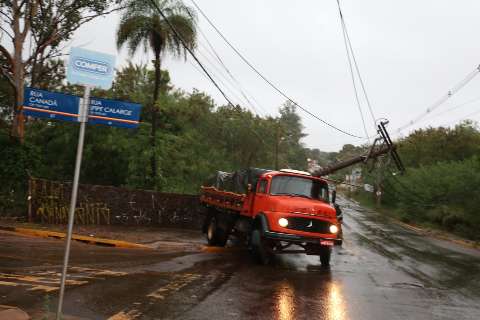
[142, 25]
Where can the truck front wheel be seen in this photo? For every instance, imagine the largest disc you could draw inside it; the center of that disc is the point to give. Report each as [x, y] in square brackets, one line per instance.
[325, 253]
[216, 235]
[260, 249]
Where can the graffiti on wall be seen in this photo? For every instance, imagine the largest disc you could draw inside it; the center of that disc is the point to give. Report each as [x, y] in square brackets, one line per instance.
[104, 205]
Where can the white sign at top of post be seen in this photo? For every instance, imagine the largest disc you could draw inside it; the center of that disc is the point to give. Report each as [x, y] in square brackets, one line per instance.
[90, 68]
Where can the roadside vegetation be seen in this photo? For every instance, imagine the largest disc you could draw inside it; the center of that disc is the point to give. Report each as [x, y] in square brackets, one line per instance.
[441, 186]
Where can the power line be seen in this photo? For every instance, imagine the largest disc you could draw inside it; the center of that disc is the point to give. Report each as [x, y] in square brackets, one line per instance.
[217, 74]
[198, 61]
[453, 108]
[444, 98]
[211, 50]
[257, 135]
[190, 51]
[347, 51]
[268, 81]
[242, 90]
[462, 118]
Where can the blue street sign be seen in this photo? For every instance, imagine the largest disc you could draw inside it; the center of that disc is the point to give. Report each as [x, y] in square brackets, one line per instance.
[114, 113]
[50, 105]
[91, 68]
[59, 106]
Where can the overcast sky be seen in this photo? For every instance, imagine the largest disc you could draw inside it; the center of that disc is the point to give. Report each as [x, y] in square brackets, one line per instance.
[410, 53]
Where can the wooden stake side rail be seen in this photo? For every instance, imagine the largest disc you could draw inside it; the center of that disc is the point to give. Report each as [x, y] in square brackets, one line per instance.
[224, 199]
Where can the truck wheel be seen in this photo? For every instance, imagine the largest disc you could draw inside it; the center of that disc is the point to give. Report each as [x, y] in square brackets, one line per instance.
[216, 235]
[325, 253]
[259, 248]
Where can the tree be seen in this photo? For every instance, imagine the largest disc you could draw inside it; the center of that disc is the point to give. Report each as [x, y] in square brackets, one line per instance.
[43, 25]
[290, 132]
[430, 145]
[142, 25]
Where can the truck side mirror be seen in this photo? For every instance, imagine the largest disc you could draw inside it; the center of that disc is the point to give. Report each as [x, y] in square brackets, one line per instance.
[249, 188]
[334, 196]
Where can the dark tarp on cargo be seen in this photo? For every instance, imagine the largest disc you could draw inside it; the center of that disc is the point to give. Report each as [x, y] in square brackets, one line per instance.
[236, 181]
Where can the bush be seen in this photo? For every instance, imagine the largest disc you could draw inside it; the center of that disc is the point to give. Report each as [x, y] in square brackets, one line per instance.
[17, 162]
[444, 194]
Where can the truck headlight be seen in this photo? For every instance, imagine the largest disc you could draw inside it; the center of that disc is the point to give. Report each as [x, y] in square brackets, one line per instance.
[333, 229]
[282, 222]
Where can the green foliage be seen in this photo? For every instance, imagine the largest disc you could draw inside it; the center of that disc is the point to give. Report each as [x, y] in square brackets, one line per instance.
[444, 193]
[142, 25]
[440, 186]
[17, 162]
[428, 146]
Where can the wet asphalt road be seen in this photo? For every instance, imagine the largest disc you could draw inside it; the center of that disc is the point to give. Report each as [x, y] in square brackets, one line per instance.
[383, 271]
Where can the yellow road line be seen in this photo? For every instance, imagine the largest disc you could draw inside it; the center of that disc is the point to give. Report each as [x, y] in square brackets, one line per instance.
[6, 283]
[175, 285]
[122, 315]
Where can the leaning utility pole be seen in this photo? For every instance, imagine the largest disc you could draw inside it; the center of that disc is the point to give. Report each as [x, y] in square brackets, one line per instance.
[386, 147]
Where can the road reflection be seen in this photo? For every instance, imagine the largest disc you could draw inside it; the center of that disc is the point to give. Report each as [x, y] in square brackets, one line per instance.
[336, 309]
[319, 297]
[285, 302]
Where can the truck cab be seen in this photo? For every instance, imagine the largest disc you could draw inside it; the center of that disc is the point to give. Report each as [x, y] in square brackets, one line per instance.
[294, 203]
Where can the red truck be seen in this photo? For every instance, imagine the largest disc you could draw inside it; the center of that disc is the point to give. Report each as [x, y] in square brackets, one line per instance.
[276, 212]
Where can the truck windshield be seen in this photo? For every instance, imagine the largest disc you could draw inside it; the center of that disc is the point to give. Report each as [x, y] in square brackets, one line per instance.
[300, 187]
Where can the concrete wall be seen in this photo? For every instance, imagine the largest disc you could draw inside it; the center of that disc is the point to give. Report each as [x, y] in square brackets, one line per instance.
[49, 202]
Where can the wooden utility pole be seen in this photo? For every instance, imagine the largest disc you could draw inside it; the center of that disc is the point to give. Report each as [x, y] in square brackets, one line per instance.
[378, 184]
[347, 163]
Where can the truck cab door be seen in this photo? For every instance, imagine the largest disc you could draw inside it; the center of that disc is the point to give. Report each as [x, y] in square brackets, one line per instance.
[259, 203]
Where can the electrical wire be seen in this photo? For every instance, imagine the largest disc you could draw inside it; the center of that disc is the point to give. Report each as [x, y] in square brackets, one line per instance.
[219, 76]
[444, 98]
[190, 51]
[211, 50]
[257, 135]
[462, 118]
[347, 51]
[453, 108]
[214, 54]
[242, 57]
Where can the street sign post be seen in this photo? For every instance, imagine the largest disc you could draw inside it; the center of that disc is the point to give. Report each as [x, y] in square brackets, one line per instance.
[90, 69]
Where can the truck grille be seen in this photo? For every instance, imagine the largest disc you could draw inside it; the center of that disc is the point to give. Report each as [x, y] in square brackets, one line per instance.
[308, 225]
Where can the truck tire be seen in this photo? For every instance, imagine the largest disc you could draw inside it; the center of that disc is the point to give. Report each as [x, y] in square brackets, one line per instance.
[216, 235]
[325, 253]
[259, 247]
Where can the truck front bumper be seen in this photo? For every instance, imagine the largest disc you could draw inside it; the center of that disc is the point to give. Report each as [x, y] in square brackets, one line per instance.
[296, 238]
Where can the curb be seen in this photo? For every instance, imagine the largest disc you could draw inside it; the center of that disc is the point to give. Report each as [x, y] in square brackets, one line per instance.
[76, 237]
